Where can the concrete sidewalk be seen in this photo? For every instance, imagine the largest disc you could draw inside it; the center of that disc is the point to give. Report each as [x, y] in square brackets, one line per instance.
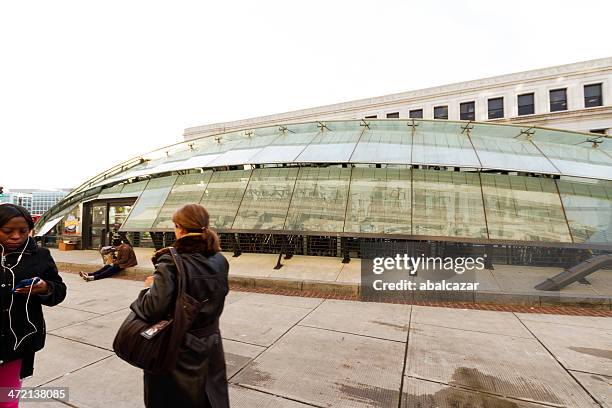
[506, 284]
[308, 352]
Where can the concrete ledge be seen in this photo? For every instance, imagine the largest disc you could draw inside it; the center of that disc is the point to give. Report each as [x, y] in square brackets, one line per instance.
[330, 287]
[443, 296]
[522, 299]
[75, 268]
[278, 283]
[594, 302]
[315, 287]
[242, 281]
[135, 273]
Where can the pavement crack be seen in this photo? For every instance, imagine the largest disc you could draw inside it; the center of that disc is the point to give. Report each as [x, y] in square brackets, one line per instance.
[558, 362]
[247, 387]
[353, 334]
[401, 387]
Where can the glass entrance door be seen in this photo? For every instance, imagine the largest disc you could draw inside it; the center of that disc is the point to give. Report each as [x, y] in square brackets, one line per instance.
[104, 220]
[117, 213]
[98, 225]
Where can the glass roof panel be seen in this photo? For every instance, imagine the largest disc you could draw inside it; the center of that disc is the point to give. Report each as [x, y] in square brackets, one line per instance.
[134, 189]
[148, 205]
[379, 201]
[196, 162]
[501, 147]
[576, 160]
[333, 144]
[113, 191]
[588, 206]
[266, 199]
[253, 142]
[447, 204]
[223, 195]
[441, 143]
[319, 199]
[188, 188]
[523, 208]
[287, 147]
[384, 142]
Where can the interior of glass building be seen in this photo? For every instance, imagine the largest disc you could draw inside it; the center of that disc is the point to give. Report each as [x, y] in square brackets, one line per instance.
[520, 194]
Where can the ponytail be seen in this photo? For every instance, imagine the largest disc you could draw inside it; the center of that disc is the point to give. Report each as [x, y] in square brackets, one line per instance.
[195, 220]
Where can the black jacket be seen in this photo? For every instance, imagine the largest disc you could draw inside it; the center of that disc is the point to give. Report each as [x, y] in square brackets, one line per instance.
[199, 379]
[35, 261]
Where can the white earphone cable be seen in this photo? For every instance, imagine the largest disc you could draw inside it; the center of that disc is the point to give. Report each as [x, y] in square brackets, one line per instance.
[2, 262]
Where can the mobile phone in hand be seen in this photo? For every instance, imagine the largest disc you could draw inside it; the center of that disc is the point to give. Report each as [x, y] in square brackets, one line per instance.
[26, 282]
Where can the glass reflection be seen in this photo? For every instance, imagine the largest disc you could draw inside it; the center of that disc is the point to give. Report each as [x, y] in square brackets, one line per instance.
[523, 208]
[266, 199]
[188, 188]
[319, 199]
[223, 195]
[149, 203]
[446, 203]
[588, 206]
[379, 201]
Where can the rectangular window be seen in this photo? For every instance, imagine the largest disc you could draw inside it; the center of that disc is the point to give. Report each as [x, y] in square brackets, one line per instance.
[416, 114]
[393, 115]
[592, 95]
[558, 100]
[496, 108]
[441, 112]
[526, 104]
[371, 117]
[467, 111]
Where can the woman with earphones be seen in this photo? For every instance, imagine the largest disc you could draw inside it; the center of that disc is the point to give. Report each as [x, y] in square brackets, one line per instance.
[28, 280]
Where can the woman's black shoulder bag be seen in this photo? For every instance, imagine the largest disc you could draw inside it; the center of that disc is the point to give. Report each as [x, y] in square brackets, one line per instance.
[154, 348]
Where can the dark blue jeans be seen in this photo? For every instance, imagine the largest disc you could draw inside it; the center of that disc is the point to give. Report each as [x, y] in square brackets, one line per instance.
[106, 271]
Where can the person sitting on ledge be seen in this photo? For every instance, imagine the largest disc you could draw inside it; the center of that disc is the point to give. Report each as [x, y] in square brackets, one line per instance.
[126, 258]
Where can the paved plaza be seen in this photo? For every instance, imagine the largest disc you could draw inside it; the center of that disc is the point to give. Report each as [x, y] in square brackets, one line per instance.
[296, 352]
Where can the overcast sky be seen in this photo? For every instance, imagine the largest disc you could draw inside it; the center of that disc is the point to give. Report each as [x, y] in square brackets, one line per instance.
[85, 85]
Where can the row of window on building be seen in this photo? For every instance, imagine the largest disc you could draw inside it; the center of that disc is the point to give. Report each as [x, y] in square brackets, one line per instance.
[526, 105]
[35, 202]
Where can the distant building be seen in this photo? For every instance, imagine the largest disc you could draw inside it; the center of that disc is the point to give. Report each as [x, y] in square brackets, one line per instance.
[23, 199]
[573, 97]
[35, 201]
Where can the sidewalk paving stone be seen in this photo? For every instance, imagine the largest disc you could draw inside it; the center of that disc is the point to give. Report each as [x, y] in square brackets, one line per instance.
[502, 365]
[107, 383]
[99, 332]
[381, 320]
[599, 386]
[426, 394]
[467, 319]
[244, 397]
[60, 357]
[59, 316]
[258, 323]
[329, 369]
[577, 348]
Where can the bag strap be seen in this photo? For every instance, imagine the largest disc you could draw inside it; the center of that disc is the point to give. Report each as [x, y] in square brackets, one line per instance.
[181, 275]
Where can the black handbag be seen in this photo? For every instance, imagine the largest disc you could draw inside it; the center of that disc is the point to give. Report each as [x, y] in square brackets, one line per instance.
[154, 348]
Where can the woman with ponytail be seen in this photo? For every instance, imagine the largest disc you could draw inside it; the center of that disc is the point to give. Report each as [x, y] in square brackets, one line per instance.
[199, 378]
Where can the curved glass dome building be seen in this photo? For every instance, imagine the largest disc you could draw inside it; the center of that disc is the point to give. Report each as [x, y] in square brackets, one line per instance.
[321, 188]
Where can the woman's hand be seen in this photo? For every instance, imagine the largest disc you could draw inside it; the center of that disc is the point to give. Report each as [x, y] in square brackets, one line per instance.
[40, 288]
[149, 281]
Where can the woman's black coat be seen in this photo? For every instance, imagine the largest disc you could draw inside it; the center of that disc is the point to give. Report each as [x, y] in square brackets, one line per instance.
[35, 261]
[199, 379]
